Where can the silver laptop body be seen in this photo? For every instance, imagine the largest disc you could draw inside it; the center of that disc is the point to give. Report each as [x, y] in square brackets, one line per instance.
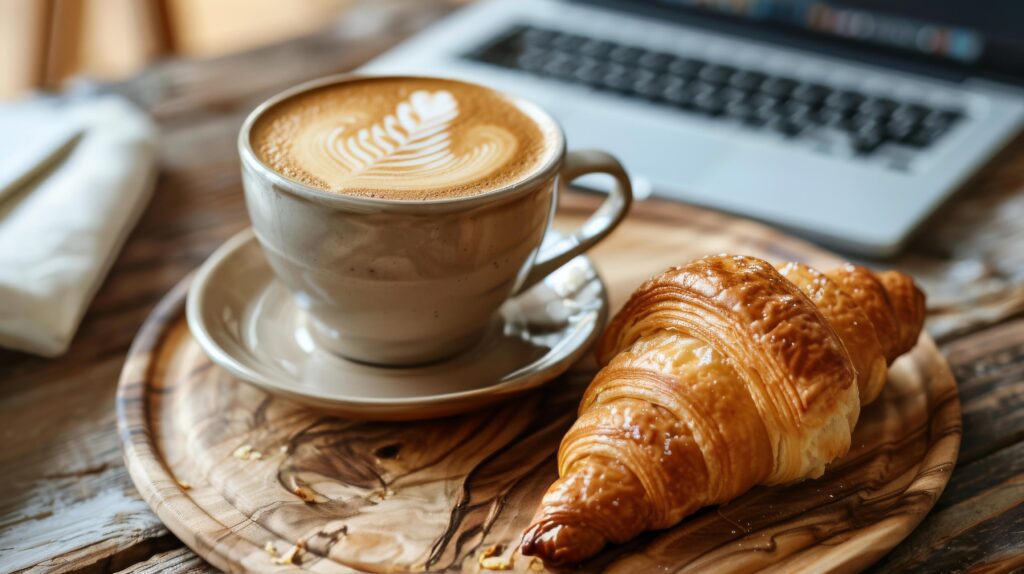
[855, 195]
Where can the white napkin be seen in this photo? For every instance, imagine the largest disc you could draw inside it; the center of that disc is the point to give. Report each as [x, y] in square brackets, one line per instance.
[74, 177]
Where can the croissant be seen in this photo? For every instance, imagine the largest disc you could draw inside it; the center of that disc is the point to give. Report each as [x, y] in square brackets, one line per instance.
[718, 376]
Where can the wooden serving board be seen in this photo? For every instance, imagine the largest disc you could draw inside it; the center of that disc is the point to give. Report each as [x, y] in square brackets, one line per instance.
[244, 478]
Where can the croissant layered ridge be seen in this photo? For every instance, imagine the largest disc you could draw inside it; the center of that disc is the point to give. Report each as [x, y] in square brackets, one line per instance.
[717, 376]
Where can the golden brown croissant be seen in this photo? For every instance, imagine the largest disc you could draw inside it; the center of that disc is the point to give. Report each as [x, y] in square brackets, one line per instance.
[720, 375]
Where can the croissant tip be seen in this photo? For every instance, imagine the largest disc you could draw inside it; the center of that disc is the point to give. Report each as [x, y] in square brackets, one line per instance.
[560, 544]
[531, 542]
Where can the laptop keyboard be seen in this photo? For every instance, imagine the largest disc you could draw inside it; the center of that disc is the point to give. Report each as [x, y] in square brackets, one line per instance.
[835, 118]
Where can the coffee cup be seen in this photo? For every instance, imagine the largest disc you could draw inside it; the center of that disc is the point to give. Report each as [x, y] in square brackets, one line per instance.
[407, 261]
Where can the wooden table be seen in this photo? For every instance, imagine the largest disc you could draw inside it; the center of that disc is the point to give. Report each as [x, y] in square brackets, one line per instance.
[67, 504]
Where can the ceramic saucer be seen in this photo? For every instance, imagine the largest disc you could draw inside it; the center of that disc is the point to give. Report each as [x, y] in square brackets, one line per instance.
[249, 324]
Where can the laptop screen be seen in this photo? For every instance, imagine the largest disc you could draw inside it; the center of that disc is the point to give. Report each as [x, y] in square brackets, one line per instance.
[983, 35]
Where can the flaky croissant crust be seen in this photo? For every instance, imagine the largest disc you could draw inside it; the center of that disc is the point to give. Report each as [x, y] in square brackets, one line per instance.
[720, 375]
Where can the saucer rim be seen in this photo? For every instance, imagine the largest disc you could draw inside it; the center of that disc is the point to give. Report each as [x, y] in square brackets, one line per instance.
[201, 332]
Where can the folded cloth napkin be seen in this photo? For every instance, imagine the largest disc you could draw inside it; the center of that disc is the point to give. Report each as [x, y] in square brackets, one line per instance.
[74, 177]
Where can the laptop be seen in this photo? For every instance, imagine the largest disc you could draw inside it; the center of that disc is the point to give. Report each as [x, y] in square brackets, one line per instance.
[847, 122]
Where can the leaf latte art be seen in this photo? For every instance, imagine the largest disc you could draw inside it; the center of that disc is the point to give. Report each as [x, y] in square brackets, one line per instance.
[427, 143]
[414, 141]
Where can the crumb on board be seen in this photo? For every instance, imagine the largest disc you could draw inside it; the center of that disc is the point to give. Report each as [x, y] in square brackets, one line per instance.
[270, 549]
[293, 554]
[246, 452]
[184, 484]
[306, 494]
[497, 563]
[490, 558]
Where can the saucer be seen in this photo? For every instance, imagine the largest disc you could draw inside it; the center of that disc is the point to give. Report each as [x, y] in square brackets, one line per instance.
[248, 323]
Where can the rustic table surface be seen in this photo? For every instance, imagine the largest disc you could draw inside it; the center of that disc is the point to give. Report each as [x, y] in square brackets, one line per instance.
[67, 504]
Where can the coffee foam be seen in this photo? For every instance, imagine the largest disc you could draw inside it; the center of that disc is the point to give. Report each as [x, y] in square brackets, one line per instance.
[402, 138]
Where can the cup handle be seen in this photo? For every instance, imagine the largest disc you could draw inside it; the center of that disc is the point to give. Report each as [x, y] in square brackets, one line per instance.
[597, 226]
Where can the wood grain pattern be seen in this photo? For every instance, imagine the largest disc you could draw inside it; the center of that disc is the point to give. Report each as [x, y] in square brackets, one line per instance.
[978, 525]
[178, 561]
[990, 369]
[436, 495]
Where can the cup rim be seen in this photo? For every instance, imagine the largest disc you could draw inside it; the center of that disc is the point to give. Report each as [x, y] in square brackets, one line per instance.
[248, 156]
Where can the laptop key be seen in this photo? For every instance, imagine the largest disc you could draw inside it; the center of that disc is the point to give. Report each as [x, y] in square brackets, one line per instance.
[532, 61]
[899, 129]
[730, 95]
[709, 102]
[778, 87]
[739, 109]
[625, 54]
[844, 101]
[716, 74]
[615, 69]
[829, 117]
[684, 67]
[924, 136]
[596, 48]
[767, 113]
[868, 115]
[910, 113]
[654, 60]
[867, 139]
[877, 106]
[700, 87]
[651, 88]
[810, 94]
[746, 80]
[759, 100]
[626, 81]
[591, 73]
[794, 108]
[679, 94]
[567, 42]
[562, 66]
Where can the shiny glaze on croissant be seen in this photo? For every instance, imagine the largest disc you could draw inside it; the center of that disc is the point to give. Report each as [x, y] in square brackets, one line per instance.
[718, 376]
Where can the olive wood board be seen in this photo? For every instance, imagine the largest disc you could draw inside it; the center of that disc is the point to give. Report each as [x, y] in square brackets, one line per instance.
[254, 483]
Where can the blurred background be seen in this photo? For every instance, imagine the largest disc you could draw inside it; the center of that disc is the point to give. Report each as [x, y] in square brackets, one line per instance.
[46, 43]
[895, 104]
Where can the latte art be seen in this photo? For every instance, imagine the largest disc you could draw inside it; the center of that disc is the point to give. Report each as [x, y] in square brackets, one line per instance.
[409, 149]
[401, 139]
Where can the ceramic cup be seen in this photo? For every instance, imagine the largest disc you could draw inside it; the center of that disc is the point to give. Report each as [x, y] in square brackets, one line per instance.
[400, 282]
